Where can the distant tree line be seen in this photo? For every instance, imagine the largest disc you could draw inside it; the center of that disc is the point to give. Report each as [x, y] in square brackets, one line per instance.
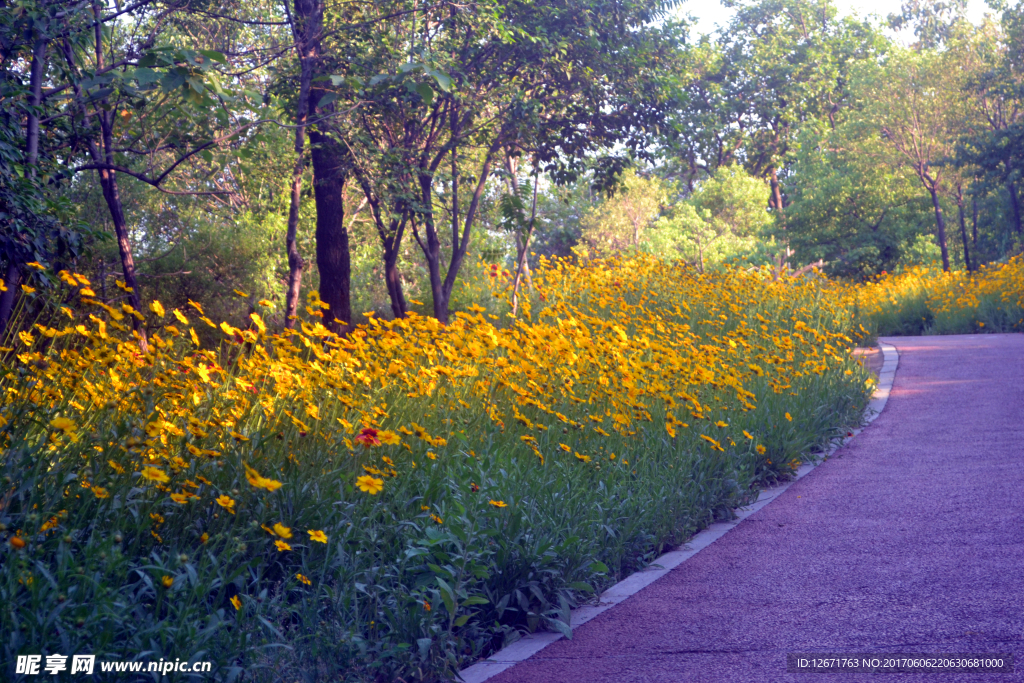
[372, 152]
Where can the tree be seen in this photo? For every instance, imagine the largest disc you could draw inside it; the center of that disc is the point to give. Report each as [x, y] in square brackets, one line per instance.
[725, 218]
[994, 146]
[620, 222]
[907, 100]
[850, 206]
[456, 89]
[778, 64]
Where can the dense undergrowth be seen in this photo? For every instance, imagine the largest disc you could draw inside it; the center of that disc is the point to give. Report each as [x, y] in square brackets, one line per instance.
[929, 301]
[394, 504]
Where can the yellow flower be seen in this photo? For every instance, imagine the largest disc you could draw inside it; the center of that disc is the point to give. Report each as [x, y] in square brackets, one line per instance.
[227, 503]
[204, 538]
[564, 447]
[498, 503]
[370, 485]
[27, 289]
[760, 449]
[260, 482]
[304, 579]
[282, 546]
[100, 492]
[389, 438]
[236, 602]
[36, 265]
[167, 581]
[179, 498]
[318, 536]
[17, 542]
[155, 474]
[437, 519]
[748, 435]
[584, 458]
[282, 531]
[789, 417]
[157, 308]
[721, 424]
[63, 424]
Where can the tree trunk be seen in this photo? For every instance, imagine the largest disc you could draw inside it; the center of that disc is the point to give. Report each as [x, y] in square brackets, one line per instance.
[108, 183]
[332, 250]
[291, 305]
[940, 225]
[776, 189]
[12, 278]
[963, 229]
[306, 31]
[460, 244]
[974, 221]
[522, 261]
[1015, 205]
[512, 166]
[393, 280]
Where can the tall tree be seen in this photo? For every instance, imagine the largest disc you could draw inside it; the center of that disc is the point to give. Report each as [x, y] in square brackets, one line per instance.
[456, 88]
[910, 101]
[777, 64]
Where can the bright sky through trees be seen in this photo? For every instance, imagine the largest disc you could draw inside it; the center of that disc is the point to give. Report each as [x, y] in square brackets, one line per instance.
[710, 13]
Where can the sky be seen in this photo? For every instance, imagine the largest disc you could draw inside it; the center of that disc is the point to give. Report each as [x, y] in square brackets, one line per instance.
[710, 13]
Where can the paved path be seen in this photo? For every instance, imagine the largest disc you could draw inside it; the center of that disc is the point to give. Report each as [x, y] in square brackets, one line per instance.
[908, 540]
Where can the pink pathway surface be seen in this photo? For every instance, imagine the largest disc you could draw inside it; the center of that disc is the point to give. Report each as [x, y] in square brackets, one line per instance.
[908, 540]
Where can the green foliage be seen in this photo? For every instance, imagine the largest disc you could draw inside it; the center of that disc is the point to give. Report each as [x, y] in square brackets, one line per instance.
[849, 206]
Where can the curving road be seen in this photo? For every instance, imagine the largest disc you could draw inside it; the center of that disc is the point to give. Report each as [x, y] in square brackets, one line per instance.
[910, 539]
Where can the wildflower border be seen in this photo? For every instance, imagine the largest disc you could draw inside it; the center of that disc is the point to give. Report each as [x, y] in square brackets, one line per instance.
[533, 643]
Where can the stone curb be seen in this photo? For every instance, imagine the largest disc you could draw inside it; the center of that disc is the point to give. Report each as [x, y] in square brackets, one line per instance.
[533, 643]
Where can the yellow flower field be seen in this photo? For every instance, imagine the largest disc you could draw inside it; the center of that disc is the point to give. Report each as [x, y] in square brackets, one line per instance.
[299, 483]
[927, 300]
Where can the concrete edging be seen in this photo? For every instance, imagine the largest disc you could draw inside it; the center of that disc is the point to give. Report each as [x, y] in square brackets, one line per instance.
[533, 643]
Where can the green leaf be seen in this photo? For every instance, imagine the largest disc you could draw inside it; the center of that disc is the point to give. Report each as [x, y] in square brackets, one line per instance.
[144, 76]
[327, 99]
[477, 600]
[425, 92]
[561, 627]
[581, 587]
[599, 567]
[214, 55]
[447, 595]
[444, 81]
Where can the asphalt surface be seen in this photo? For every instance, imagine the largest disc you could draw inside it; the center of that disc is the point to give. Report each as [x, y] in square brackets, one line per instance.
[909, 540]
